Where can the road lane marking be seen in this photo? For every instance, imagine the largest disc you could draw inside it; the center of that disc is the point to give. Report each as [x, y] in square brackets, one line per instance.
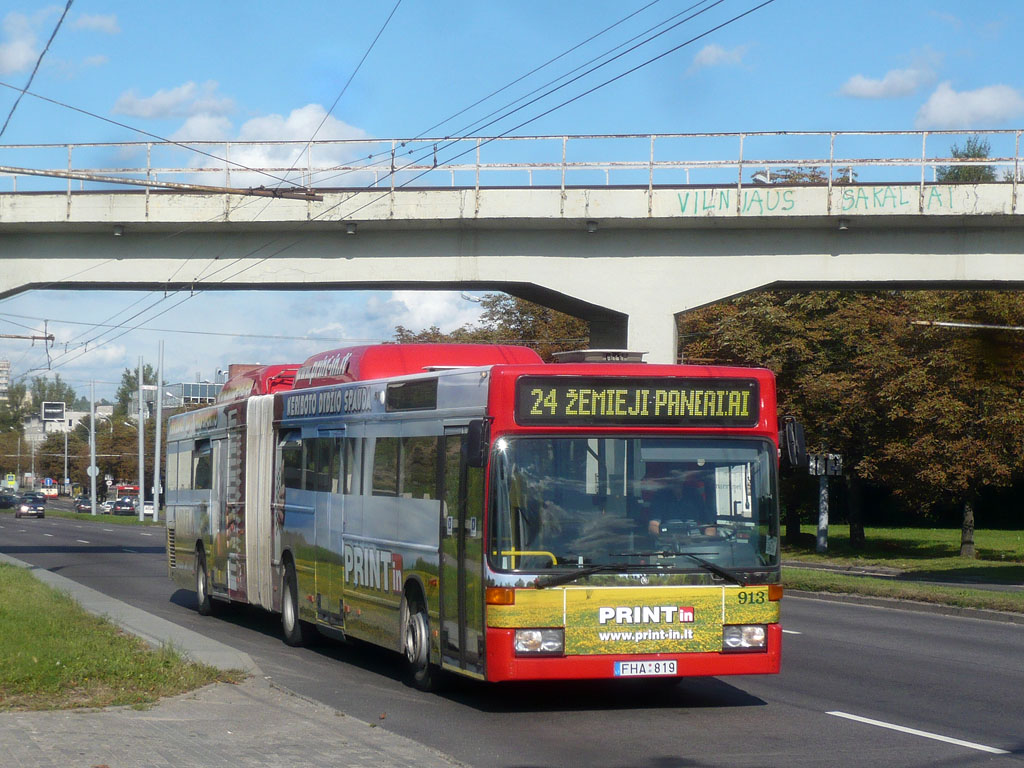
[48, 534]
[925, 734]
[147, 534]
[81, 541]
[125, 549]
[791, 632]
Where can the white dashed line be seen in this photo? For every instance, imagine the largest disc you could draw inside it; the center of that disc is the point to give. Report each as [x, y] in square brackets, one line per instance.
[48, 534]
[81, 541]
[791, 632]
[147, 534]
[925, 734]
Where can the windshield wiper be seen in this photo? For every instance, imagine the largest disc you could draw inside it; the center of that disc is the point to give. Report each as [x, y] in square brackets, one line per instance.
[723, 572]
[565, 578]
[707, 564]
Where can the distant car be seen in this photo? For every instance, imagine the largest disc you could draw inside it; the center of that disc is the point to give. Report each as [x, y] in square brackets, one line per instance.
[107, 506]
[36, 495]
[30, 506]
[8, 500]
[123, 506]
[83, 504]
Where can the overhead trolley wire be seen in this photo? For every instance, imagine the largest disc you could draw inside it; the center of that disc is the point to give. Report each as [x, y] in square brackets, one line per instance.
[488, 140]
[35, 69]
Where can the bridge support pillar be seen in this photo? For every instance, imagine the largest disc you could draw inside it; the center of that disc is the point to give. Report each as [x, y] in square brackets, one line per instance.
[653, 330]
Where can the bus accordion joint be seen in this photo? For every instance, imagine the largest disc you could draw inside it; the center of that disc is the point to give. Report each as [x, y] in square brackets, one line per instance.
[500, 596]
[774, 592]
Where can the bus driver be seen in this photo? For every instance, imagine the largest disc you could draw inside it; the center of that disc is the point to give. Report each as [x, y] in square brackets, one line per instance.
[680, 496]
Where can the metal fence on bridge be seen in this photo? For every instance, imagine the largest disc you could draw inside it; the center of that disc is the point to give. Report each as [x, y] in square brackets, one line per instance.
[638, 160]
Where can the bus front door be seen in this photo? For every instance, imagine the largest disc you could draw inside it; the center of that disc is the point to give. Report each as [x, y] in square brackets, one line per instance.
[462, 590]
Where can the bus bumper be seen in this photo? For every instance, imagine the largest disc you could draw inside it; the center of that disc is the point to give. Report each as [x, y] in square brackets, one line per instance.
[503, 664]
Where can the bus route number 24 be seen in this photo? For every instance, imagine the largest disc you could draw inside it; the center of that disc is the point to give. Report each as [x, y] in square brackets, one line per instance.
[544, 399]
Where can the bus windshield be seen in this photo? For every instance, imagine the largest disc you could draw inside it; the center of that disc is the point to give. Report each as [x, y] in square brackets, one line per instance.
[648, 503]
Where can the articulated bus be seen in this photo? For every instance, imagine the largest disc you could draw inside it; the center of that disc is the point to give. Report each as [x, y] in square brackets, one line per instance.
[483, 512]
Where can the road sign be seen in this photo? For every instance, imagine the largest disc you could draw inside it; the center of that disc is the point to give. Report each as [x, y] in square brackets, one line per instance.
[53, 411]
[47, 481]
[92, 471]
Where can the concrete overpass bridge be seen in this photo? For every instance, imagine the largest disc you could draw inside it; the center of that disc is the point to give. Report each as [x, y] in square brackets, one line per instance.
[624, 231]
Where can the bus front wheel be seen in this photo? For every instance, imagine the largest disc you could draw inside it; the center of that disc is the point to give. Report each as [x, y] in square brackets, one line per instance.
[416, 645]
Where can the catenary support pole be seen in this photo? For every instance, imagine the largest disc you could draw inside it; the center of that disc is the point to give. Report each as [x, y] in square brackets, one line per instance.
[158, 427]
[142, 457]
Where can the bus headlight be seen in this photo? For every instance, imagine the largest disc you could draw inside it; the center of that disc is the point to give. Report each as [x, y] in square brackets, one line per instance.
[540, 641]
[744, 637]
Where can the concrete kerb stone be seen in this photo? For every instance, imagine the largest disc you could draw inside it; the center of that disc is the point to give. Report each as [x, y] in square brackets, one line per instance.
[154, 630]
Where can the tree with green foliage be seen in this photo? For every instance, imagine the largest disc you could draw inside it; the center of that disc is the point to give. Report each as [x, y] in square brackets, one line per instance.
[130, 384]
[934, 416]
[974, 147]
[509, 320]
[43, 390]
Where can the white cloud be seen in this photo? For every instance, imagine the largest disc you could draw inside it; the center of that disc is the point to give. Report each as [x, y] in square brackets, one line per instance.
[18, 46]
[895, 84]
[185, 100]
[981, 108]
[99, 23]
[204, 128]
[298, 126]
[417, 310]
[716, 56]
[95, 61]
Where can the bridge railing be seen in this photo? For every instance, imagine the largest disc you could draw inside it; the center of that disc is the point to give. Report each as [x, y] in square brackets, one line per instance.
[634, 160]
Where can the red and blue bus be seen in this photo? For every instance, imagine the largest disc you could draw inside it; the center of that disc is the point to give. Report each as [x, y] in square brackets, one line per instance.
[486, 513]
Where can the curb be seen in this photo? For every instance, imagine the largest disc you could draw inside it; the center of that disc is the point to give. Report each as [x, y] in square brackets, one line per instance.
[157, 632]
[911, 605]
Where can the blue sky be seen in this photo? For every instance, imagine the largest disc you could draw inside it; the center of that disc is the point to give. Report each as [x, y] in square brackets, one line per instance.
[261, 70]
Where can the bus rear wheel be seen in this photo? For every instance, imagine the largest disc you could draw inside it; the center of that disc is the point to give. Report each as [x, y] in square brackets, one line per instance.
[206, 607]
[291, 626]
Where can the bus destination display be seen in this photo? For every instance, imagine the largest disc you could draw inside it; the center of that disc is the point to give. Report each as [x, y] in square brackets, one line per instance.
[607, 401]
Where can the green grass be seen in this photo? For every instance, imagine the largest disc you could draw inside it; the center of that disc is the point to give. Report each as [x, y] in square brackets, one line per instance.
[911, 556]
[100, 518]
[921, 552]
[57, 656]
[964, 597]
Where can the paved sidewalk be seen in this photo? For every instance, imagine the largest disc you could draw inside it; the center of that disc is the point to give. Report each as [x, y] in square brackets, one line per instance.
[252, 724]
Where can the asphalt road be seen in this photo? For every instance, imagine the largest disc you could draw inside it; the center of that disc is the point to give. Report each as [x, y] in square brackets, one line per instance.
[860, 686]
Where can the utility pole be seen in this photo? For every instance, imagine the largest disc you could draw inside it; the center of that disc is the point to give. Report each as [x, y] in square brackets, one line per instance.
[142, 457]
[158, 427]
[92, 471]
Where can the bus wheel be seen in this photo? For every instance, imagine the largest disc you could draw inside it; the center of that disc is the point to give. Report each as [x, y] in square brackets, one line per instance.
[202, 585]
[416, 644]
[290, 624]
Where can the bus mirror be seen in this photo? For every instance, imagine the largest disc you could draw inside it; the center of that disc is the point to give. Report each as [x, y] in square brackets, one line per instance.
[477, 443]
[795, 446]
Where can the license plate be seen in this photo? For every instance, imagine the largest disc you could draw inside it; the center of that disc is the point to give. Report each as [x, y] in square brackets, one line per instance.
[644, 668]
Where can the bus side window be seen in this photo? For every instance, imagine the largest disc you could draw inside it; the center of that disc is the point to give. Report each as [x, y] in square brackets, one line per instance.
[171, 481]
[385, 467]
[202, 466]
[291, 461]
[419, 467]
[350, 466]
[321, 464]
